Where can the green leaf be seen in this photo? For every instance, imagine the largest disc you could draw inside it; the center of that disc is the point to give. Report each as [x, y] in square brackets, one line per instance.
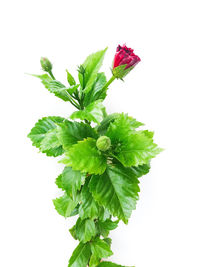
[98, 91]
[50, 140]
[59, 182]
[85, 230]
[108, 241]
[94, 261]
[131, 148]
[121, 127]
[100, 248]
[93, 112]
[72, 181]
[69, 133]
[55, 87]
[70, 79]
[42, 128]
[104, 214]
[110, 264]
[88, 207]
[117, 190]
[102, 128]
[85, 157]
[138, 149]
[105, 227]
[65, 205]
[91, 67]
[80, 256]
[73, 232]
[72, 89]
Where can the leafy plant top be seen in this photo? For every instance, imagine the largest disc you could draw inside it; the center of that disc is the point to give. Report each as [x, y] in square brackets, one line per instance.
[104, 155]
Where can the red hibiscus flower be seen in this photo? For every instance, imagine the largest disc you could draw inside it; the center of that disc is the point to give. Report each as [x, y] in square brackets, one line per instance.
[125, 55]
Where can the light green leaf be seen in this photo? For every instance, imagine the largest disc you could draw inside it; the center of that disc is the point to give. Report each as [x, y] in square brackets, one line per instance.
[136, 150]
[73, 232]
[55, 87]
[70, 79]
[105, 227]
[65, 205]
[72, 181]
[121, 127]
[50, 141]
[91, 66]
[88, 207]
[85, 230]
[80, 256]
[98, 91]
[85, 157]
[69, 133]
[93, 112]
[104, 214]
[102, 128]
[117, 190]
[131, 148]
[110, 264]
[41, 129]
[58, 182]
[100, 248]
[94, 261]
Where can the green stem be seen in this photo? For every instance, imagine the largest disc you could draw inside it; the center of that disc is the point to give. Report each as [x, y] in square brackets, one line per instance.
[74, 103]
[51, 74]
[109, 82]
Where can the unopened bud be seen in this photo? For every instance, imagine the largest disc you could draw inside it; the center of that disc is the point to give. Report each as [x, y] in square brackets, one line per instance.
[46, 64]
[103, 143]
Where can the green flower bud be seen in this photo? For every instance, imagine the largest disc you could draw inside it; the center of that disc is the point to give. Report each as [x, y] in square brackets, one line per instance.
[103, 143]
[46, 64]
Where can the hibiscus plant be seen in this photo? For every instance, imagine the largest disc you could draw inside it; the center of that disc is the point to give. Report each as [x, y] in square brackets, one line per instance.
[104, 155]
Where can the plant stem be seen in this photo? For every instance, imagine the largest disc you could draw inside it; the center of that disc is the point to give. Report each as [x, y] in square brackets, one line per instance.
[51, 74]
[109, 82]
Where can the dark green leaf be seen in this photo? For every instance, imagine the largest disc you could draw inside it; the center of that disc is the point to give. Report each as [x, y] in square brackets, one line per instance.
[80, 256]
[117, 190]
[70, 132]
[72, 181]
[98, 91]
[100, 248]
[85, 230]
[88, 207]
[65, 205]
[106, 226]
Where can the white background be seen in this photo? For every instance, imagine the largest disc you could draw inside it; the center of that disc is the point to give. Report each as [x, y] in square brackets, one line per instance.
[162, 92]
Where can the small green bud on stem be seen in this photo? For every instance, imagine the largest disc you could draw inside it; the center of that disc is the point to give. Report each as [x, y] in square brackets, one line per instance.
[46, 64]
[103, 143]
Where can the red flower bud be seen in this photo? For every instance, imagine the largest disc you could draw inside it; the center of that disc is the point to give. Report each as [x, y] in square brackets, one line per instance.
[124, 57]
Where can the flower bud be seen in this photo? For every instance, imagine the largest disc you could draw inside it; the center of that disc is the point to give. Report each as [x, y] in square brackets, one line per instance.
[103, 143]
[124, 61]
[46, 64]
